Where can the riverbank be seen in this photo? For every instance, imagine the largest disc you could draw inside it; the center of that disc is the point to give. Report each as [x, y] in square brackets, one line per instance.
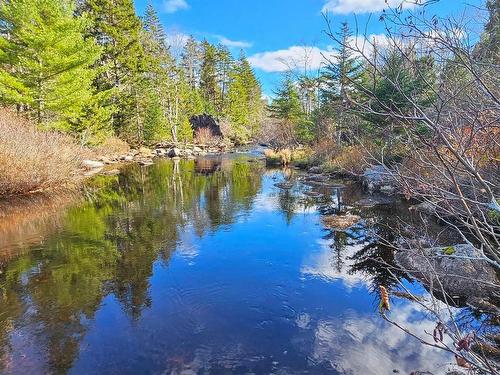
[42, 161]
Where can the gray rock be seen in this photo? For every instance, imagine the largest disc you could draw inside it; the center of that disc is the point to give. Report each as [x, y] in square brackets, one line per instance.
[174, 152]
[92, 164]
[315, 170]
[197, 150]
[284, 185]
[128, 158]
[424, 207]
[458, 268]
[378, 179]
[161, 152]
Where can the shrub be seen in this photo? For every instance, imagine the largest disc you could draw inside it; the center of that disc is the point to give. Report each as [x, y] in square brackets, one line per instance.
[204, 136]
[33, 160]
[281, 157]
[349, 160]
[112, 146]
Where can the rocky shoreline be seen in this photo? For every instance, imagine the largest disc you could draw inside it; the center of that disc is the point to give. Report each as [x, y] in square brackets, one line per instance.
[460, 269]
[109, 164]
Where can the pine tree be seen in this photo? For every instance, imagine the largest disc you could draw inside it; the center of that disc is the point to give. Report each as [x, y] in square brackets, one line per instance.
[191, 62]
[153, 26]
[340, 83]
[208, 77]
[118, 30]
[45, 61]
[244, 101]
[224, 63]
[287, 108]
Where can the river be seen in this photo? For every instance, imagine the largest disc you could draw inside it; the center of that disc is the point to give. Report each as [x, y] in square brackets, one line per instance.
[203, 267]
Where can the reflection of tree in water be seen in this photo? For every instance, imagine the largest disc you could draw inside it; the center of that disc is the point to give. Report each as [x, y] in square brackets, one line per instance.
[109, 245]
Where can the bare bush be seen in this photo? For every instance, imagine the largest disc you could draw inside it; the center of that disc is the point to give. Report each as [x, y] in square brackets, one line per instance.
[33, 160]
[204, 136]
[449, 125]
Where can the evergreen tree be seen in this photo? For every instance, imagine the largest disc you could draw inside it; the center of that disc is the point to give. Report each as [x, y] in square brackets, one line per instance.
[159, 80]
[118, 30]
[45, 61]
[224, 63]
[286, 107]
[153, 26]
[244, 101]
[208, 77]
[191, 62]
[340, 83]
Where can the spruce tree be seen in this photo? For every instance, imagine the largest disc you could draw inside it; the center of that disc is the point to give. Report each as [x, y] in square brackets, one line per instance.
[118, 30]
[224, 64]
[208, 77]
[45, 62]
[244, 100]
[287, 108]
[341, 81]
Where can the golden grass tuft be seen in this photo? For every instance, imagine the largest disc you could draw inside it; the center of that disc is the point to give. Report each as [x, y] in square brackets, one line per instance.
[32, 160]
[112, 146]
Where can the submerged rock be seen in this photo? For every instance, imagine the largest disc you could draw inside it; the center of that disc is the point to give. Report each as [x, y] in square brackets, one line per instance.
[340, 222]
[284, 185]
[460, 269]
[315, 170]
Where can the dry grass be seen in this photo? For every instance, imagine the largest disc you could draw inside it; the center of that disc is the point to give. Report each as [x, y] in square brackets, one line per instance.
[204, 136]
[112, 146]
[284, 156]
[32, 160]
[349, 160]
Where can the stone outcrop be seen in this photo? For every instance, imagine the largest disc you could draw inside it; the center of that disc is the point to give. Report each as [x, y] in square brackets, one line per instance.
[460, 269]
[378, 179]
[207, 122]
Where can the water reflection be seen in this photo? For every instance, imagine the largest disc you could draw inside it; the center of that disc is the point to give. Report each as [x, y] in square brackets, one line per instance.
[192, 266]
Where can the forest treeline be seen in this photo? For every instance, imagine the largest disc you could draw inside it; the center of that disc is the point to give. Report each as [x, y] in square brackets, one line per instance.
[94, 69]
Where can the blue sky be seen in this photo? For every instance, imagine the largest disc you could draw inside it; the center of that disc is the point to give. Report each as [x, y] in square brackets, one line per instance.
[270, 30]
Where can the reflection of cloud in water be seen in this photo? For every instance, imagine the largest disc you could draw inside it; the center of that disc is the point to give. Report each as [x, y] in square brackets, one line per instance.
[326, 265]
[361, 345]
[270, 203]
[188, 244]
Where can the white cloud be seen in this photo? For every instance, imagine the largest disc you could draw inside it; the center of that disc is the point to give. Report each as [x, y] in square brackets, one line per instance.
[363, 6]
[365, 44]
[233, 43]
[362, 344]
[292, 58]
[176, 40]
[172, 6]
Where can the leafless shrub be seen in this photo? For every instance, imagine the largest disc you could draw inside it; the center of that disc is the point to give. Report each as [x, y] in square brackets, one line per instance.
[451, 148]
[33, 160]
[204, 136]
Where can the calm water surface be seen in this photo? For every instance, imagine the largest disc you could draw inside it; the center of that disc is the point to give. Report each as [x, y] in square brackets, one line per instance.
[200, 267]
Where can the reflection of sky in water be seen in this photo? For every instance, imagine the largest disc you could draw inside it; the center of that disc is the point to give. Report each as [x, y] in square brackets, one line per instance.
[323, 263]
[261, 291]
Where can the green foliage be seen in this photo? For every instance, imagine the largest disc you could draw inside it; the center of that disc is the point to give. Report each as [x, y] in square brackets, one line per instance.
[399, 85]
[45, 61]
[97, 70]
